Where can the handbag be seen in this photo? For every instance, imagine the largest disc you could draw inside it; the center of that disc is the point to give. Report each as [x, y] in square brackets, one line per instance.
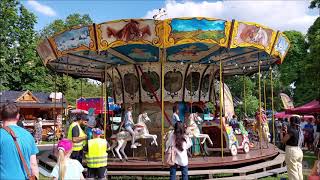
[170, 155]
[10, 131]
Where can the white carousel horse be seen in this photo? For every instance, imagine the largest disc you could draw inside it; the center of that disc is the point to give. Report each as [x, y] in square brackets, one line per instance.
[119, 140]
[193, 129]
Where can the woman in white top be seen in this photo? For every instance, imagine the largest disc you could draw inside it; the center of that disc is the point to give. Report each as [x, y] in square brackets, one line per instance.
[66, 168]
[181, 143]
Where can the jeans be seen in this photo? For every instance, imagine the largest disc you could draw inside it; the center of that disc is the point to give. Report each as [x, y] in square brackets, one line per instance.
[128, 127]
[184, 172]
[77, 155]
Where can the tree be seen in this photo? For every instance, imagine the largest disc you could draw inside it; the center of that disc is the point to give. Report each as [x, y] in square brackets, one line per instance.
[21, 68]
[71, 87]
[315, 4]
[60, 25]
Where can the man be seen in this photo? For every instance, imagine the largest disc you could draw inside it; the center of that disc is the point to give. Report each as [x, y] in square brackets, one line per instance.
[11, 166]
[97, 155]
[175, 116]
[317, 135]
[308, 133]
[78, 137]
[234, 122]
[301, 133]
[129, 124]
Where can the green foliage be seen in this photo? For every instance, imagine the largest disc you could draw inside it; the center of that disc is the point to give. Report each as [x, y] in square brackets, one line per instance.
[60, 25]
[315, 4]
[21, 68]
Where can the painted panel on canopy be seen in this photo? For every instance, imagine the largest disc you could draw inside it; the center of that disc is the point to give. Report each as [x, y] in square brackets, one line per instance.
[76, 39]
[188, 52]
[224, 54]
[281, 46]
[116, 84]
[45, 51]
[246, 59]
[151, 77]
[192, 82]
[126, 31]
[174, 81]
[130, 83]
[205, 30]
[102, 57]
[252, 35]
[139, 52]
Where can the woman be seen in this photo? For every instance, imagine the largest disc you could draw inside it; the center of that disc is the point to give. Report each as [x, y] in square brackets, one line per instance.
[315, 172]
[181, 143]
[66, 168]
[38, 131]
[294, 154]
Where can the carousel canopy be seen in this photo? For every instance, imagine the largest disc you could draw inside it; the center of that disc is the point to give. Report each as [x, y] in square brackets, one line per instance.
[130, 52]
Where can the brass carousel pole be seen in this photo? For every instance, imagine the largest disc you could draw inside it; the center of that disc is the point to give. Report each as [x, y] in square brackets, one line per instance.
[221, 104]
[105, 108]
[162, 94]
[272, 107]
[264, 94]
[55, 109]
[260, 112]
[244, 95]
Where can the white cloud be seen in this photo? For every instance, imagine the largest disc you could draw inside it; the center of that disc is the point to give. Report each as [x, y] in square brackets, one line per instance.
[41, 8]
[279, 15]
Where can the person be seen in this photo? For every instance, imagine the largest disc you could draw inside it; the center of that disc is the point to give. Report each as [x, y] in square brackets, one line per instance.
[294, 155]
[315, 171]
[21, 121]
[38, 130]
[317, 134]
[78, 137]
[175, 116]
[97, 156]
[308, 134]
[301, 136]
[11, 166]
[66, 168]
[91, 123]
[234, 122]
[181, 143]
[129, 124]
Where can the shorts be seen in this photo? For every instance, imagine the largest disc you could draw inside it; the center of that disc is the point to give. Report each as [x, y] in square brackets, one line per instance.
[99, 173]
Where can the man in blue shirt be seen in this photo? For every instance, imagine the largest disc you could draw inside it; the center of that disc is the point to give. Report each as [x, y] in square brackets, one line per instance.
[175, 116]
[11, 166]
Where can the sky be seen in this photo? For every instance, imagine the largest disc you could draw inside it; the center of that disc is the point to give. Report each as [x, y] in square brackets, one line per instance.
[277, 14]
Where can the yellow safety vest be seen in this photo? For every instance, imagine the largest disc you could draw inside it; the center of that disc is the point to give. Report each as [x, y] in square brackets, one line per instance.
[97, 155]
[76, 146]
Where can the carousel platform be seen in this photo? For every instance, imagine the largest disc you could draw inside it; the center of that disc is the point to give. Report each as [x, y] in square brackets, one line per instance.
[257, 163]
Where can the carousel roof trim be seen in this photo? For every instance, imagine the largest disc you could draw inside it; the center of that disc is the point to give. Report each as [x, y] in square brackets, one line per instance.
[96, 50]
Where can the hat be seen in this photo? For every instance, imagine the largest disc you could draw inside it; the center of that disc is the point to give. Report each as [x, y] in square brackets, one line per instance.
[97, 131]
[65, 145]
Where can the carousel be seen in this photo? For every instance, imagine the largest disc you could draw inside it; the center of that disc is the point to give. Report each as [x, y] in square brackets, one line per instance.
[153, 65]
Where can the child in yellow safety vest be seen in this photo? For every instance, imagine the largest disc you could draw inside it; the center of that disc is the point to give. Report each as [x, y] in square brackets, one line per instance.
[97, 155]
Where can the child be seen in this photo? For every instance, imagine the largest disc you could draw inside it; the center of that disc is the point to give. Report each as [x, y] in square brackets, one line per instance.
[66, 168]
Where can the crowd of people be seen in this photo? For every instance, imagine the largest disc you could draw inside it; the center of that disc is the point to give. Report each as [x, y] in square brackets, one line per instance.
[18, 147]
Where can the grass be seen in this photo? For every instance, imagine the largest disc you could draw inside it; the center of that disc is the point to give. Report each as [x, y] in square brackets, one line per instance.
[42, 177]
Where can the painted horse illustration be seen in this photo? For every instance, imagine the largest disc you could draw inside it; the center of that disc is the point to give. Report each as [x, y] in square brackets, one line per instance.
[261, 37]
[120, 140]
[130, 32]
